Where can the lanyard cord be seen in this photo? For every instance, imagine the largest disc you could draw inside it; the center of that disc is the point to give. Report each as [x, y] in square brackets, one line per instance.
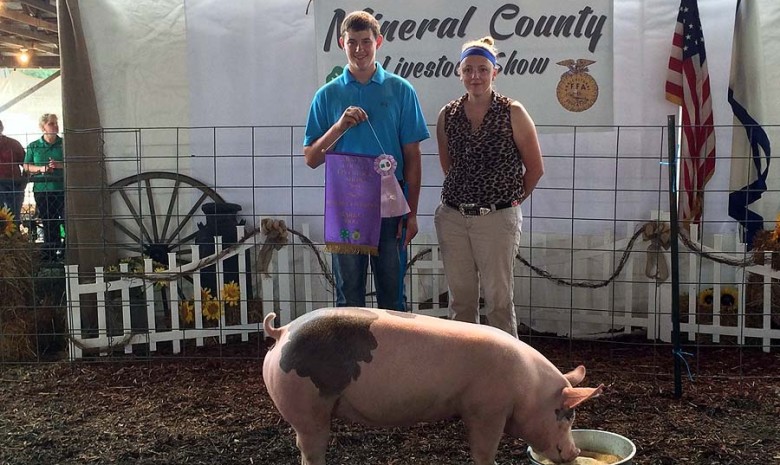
[342, 135]
[375, 136]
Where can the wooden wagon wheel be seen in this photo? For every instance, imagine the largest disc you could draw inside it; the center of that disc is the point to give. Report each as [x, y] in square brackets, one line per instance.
[157, 212]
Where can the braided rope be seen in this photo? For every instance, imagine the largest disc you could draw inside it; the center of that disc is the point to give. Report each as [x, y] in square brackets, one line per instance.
[683, 235]
[280, 241]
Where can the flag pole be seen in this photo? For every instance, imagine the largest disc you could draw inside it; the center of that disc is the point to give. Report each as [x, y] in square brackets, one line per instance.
[675, 275]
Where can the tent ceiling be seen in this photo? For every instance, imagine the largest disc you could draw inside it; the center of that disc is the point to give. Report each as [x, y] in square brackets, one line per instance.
[31, 25]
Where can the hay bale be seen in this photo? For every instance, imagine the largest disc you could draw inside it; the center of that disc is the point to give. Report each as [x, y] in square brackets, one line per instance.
[754, 302]
[15, 341]
[32, 322]
[765, 241]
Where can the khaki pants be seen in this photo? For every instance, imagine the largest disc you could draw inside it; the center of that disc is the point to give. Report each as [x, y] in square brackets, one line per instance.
[479, 251]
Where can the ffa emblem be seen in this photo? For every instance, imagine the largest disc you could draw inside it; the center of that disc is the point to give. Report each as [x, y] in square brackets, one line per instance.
[577, 90]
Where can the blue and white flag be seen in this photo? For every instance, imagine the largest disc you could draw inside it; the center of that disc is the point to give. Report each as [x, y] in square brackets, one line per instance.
[754, 93]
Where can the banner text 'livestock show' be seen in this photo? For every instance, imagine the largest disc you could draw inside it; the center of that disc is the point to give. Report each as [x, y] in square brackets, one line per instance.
[506, 23]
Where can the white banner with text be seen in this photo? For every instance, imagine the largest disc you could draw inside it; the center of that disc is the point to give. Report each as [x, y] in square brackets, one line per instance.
[556, 56]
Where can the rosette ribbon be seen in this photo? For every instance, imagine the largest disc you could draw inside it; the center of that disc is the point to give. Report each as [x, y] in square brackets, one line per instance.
[392, 200]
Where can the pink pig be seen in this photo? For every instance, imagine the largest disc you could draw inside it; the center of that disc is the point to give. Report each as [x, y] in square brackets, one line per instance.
[385, 368]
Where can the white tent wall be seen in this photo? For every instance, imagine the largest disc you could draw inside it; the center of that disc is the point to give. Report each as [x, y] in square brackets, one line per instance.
[21, 119]
[138, 53]
[210, 64]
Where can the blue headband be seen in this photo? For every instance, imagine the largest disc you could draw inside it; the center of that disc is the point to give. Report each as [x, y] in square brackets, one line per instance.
[478, 51]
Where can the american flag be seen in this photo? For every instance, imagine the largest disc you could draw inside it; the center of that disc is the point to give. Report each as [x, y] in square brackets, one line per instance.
[688, 85]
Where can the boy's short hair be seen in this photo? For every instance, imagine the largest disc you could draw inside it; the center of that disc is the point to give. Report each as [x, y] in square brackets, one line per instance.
[360, 21]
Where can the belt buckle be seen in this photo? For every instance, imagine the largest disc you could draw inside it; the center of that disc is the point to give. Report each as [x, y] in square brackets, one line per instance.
[466, 208]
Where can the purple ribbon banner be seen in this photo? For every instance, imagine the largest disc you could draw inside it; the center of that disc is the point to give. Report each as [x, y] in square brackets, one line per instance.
[352, 204]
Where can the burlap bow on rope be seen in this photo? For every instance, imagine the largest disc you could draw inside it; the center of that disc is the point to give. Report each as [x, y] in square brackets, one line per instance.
[659, 235]
[275, 232]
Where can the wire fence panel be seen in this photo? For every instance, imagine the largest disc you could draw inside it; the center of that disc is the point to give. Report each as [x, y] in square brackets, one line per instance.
[165, 307]
[184, 264]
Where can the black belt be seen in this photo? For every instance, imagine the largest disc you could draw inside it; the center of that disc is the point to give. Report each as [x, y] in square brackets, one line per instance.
[476, 209]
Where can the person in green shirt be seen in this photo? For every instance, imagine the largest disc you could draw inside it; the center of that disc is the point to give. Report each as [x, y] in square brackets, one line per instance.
[44, 162]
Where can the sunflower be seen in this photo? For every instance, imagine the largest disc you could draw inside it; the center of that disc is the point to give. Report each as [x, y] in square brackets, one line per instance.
[231, 294]
[776, 233]
[7, 225]
[162, 282]
[205, 294]
[212, 310]
[705, 297]
[728, 297]
[186, 311]
[134, 264]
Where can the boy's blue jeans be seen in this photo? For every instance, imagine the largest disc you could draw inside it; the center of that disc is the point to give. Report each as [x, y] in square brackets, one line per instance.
[350, 272]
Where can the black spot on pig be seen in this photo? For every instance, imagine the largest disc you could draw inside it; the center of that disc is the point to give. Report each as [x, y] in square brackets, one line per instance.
[328, 348]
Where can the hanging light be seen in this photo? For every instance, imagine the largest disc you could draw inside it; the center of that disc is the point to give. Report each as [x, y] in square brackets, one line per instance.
[23, 57]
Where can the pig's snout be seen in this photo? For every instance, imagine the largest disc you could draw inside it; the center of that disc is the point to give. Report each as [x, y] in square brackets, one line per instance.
[572, 454]
[564, 454]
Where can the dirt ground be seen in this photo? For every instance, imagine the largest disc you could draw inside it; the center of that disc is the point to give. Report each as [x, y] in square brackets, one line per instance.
[210, 406]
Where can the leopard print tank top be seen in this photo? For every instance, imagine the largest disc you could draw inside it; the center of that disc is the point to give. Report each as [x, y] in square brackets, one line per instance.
[486, 164]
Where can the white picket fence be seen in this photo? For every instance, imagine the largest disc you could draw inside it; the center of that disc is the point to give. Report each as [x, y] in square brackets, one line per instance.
[295, 285]
[104, 337]
[739, 327]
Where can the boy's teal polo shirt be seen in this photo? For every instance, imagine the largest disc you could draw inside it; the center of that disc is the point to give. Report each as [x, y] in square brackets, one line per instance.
[392, 107]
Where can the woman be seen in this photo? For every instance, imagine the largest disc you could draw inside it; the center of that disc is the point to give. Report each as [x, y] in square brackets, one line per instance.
[490, 155]
[44, 161]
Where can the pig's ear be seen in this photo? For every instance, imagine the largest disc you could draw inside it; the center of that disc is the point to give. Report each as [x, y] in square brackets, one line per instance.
[573, 397]
[575, 376]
